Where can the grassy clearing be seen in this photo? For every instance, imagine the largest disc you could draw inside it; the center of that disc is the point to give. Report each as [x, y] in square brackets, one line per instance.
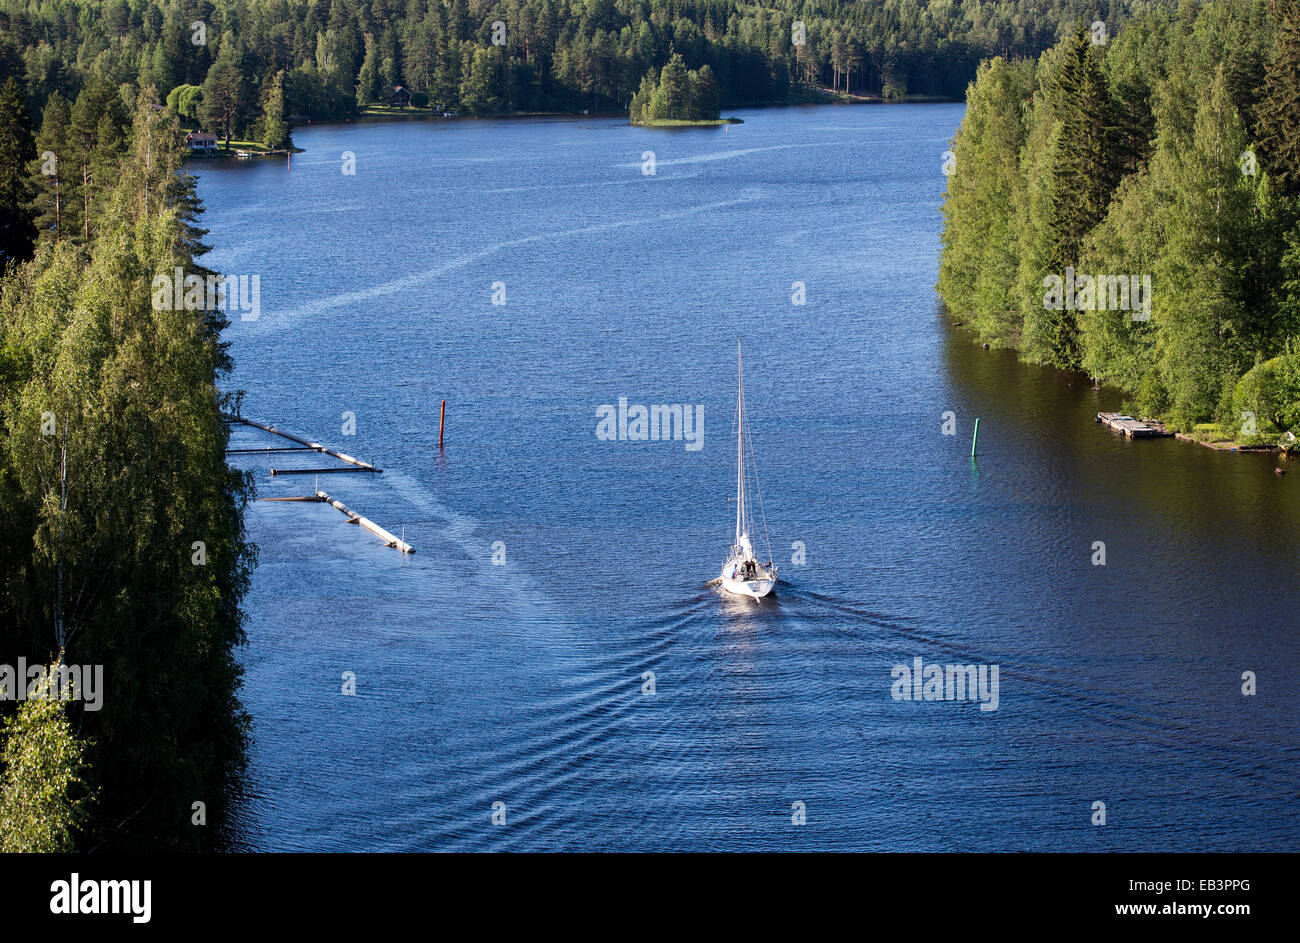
[1215, 436]
[395, 111]
[256, 148]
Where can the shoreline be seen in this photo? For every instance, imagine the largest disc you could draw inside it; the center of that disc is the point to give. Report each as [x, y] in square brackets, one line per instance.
[425, 114]
[1229, 445]
[1218, 445]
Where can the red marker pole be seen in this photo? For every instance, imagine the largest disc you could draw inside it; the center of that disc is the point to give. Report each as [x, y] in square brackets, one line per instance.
[442, 422]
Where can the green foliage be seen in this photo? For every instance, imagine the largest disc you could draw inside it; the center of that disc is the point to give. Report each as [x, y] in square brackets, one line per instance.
[101, 567]
[1071, 166]
[44, 798]
[1271, 391]
[16, 191]
[370, 84]
[54, 186]
[1088, 169]
[978, 268]
[672, 99]
[1134, 162]
[96, 138]
[637, 108]
[558, 56]
[1035, 212]
[275, 130]
[1129, 240]
[479, 90]
[679, 94]
[186, 101]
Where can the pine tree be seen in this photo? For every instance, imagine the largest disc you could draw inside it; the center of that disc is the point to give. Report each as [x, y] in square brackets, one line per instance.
[56, 201]
[225, 91]
[96, 139]
[17, 232]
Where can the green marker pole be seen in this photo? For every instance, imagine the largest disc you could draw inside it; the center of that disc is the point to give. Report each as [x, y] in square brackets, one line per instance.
[975, 438]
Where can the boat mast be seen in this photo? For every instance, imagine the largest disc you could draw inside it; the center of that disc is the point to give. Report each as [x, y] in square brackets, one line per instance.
[740, 446]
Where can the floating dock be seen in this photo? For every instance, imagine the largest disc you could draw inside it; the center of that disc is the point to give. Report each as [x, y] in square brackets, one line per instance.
[1133, 428]
[306, 444]
[355, 518]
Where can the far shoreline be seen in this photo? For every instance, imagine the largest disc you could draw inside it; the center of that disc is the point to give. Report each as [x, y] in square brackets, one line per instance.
[388, 114]
[428, 114]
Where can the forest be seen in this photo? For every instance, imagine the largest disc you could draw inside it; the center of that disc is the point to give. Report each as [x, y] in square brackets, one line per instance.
[123, 548]
[1128, 208]
[240, 65]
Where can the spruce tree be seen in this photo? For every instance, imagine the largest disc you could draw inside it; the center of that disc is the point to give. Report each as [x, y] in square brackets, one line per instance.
[1089, 168]
[672, 97]
[1279, 113]
[705, 100]
[369, 81]
[275, 130]
[17, 232]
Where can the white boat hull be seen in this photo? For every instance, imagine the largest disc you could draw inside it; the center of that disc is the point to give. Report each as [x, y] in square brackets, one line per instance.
[758, 584]
[755, 589]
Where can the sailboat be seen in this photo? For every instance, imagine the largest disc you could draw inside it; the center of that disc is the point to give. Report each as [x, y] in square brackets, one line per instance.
[743, 574]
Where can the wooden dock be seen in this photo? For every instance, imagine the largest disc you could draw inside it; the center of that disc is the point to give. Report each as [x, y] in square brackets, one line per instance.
[1133, 428]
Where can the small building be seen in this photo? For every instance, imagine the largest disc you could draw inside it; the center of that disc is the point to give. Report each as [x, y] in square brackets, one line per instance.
[201, 141]
[401, 96]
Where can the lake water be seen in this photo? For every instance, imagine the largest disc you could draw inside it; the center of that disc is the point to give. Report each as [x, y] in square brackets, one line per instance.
[522, 683]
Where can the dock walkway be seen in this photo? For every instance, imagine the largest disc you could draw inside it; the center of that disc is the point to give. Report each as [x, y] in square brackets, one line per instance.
[1133, 428]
